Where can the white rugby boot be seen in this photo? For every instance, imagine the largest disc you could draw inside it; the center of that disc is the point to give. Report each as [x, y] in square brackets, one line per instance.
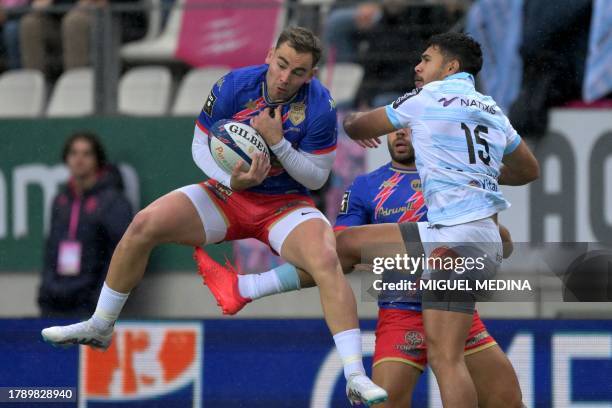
[78, 333]
[361, 390]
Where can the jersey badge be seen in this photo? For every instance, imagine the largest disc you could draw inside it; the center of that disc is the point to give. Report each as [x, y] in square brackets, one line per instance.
[297, 113]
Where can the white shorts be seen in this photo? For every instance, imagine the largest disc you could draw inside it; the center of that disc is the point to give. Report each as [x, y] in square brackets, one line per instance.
[474, 239]
[231, 215]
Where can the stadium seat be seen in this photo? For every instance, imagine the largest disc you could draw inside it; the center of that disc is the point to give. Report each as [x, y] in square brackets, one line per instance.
[145, 91]
[342, 80]
[73, 94]
[22, 93]
[194, 88]
[157, 49]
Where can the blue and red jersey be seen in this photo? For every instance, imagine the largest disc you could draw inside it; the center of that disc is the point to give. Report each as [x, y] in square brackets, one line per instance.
[386, 195]
[309, 118]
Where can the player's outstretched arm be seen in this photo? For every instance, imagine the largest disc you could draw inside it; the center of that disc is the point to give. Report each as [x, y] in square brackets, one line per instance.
[368, 125]
[519, 167]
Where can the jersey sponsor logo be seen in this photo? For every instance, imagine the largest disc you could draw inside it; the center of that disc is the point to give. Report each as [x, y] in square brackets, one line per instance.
[145, 362]
[386, 189]
[297, 113]
[405, 97]
[210, 104]
[446, 102]
[345, 202]
[484, 107]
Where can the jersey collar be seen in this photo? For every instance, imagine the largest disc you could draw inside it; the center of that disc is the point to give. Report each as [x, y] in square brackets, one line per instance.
[461, 75]
[412, 170]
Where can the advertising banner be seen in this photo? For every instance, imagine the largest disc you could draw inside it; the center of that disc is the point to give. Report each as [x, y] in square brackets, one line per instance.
[285, 363]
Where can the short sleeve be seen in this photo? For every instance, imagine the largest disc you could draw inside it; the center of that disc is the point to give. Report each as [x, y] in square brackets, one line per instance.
[322, 133]
[354, 208]
[219, 103]
[512, 138]
[407, 108]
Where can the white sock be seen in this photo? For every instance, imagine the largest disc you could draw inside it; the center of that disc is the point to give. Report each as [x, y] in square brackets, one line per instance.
[109, 306]
[283, 278]
[348, 344]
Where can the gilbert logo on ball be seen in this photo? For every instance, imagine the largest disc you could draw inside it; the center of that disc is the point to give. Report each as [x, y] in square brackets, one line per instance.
[231, 141]
[147, 364]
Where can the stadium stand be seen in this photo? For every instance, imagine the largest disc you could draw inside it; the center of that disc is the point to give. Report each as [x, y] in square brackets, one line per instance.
[72, 94]
[343, 80]
[195, 84]
[22, 93]
[145, 91]
[161, 48]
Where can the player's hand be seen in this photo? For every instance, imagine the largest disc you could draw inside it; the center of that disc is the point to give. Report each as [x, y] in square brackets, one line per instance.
[241, 179]
[369, 143]
[270, 128]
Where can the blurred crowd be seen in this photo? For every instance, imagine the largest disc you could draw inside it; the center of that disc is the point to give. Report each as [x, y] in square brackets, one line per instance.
[537, 54]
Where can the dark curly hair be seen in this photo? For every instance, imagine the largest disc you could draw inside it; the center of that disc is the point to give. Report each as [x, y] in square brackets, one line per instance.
[92, 139]
[461, 47]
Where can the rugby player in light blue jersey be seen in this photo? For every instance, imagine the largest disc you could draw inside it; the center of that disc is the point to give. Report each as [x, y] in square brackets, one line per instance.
[465, 147]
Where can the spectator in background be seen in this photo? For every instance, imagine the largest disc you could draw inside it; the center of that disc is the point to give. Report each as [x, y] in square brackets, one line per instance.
[43, 34]
[394, 47]
[553, 49]
[89, 216]
[10, 14]
[386, 38]
[343, 27]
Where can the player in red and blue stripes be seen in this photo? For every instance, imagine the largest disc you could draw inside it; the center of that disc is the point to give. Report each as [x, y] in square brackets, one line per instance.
[296, 116]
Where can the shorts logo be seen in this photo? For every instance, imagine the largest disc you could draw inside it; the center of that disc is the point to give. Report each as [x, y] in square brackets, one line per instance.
[345, 202]
[209, 104]
[477, 338]
[297, 113]
[146, 362]
[219, 190]
[414, 338]
[413, 345]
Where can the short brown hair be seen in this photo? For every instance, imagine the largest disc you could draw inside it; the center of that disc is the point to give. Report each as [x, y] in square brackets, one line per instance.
[302, 40]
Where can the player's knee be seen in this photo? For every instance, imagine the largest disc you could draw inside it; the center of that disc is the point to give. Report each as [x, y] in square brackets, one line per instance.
[324, 263]
[145, 228]
[509, 396]
[440, 357]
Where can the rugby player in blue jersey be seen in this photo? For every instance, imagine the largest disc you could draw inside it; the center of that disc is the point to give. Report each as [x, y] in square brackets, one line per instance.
[296, 116]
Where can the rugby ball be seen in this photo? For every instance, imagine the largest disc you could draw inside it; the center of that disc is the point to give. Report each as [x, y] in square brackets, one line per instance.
[232, 141]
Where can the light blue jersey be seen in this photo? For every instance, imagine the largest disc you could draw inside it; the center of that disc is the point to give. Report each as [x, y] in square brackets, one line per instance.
[460, 137]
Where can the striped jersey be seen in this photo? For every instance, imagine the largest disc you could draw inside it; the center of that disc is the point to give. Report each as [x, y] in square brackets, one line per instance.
[460, 137]
[385, 195]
